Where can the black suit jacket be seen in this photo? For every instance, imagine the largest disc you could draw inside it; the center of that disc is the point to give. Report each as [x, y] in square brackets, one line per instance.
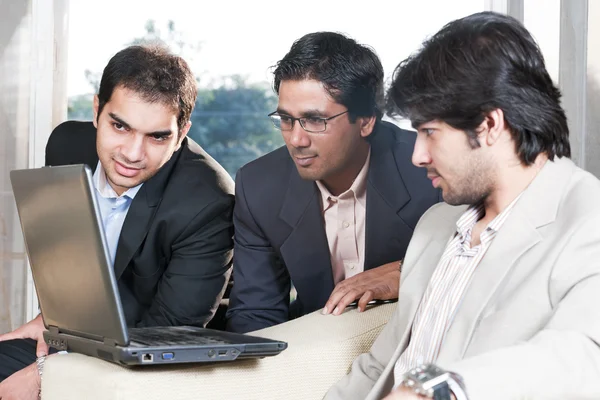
[280, 236]
[174, 254]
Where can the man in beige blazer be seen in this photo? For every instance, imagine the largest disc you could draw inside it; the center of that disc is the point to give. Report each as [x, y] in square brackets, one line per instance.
[500, 291]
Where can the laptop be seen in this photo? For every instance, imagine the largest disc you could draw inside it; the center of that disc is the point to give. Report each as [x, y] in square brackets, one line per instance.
[76, 284]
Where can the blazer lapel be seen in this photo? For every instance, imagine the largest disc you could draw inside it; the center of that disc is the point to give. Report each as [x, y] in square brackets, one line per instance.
[386, 195]
[141, 213]
[421, 261]
[537, 207]
[305, 251]
[515, 237]
[136, 226]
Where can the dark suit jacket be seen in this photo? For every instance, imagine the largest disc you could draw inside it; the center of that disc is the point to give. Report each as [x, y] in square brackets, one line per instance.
[174, 254]
[280, 236]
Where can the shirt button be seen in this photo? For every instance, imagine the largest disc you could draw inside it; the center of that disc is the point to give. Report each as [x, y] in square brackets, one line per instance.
[346, 224]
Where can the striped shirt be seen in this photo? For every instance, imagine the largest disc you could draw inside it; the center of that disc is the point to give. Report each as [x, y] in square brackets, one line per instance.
[446, 289]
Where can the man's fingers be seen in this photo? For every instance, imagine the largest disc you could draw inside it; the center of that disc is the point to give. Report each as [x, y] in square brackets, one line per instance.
[364, 300]
[338, 293]
[42, 348]
[10, 336]
[344, 301]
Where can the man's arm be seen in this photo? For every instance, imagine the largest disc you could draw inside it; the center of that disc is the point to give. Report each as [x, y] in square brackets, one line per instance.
[562, 361]
[194, 281]
[261, 290]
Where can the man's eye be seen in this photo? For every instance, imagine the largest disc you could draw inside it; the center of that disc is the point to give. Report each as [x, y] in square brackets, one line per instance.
[285, 118]
[118, 126]
[159, 138]
[314, 120]
[428, 131]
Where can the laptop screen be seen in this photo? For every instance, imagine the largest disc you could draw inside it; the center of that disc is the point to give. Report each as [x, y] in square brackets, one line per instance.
[67, 252]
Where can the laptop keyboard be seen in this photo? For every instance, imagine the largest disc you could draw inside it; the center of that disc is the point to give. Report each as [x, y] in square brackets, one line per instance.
[172, 336]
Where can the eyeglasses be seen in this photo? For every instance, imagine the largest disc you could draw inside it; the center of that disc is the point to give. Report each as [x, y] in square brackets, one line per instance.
[309, 124]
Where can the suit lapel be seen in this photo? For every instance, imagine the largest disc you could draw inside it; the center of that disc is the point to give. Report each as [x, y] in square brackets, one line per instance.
[305, 251]
[136, 226]
[421, 260]
[415, 281]
[515, 237]
[537, 207]
[386, 195]
[141, 213]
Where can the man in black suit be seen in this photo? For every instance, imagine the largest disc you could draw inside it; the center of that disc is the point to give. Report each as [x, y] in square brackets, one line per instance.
[332, 213]
[166, 205]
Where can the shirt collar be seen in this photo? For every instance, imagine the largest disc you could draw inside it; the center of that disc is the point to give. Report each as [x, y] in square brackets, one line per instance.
[358, 188]
[105, 190]
[475, 212]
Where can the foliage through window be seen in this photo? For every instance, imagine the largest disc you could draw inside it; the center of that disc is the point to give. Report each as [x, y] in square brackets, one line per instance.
[230, 118]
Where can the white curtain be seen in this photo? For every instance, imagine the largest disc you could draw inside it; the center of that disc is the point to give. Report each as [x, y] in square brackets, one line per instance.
[15, 88]
[33, 54]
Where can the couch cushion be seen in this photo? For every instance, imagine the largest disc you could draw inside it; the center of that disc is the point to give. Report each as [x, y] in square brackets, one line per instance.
[320, 351]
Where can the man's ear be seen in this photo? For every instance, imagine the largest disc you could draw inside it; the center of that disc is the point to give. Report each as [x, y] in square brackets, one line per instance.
[493, 126]
[367, 124]
[95, 109]
[182, 133]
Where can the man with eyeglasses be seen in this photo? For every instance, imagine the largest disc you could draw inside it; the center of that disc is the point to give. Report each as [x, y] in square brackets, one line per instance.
[332, 212]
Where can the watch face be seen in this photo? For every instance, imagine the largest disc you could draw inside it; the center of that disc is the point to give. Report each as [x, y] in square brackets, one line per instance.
[426, 372]
[429, 378]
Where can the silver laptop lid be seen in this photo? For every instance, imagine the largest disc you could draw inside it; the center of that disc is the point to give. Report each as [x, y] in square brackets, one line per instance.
[67, 250]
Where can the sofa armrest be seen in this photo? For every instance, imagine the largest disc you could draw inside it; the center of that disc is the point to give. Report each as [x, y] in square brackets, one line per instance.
[320, 351]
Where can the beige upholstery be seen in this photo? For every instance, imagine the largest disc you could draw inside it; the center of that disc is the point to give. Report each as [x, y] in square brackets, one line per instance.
[321, 349]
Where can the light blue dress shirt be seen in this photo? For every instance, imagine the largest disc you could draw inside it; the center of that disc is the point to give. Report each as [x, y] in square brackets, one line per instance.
[113, 208]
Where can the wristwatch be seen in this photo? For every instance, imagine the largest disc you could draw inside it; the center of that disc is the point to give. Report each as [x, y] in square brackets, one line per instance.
[40, 361]
[435, 383]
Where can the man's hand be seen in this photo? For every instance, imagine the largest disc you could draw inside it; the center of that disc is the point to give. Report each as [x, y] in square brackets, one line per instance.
[381, 283]
[403, 393]
[34, 329]
[22, 385]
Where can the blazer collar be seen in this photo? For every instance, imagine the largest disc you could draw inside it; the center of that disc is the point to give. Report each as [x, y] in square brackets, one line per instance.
[386, 195]
[537, 207]
[305, 250]
[389, 186]
[141, 212]
[299, 194]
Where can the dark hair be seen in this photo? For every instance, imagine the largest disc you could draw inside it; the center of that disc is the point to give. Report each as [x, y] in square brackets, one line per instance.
[351, 73]
[155, 74]
[475, 65]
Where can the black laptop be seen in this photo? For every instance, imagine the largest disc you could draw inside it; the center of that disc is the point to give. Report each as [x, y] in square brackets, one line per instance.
[76, 284]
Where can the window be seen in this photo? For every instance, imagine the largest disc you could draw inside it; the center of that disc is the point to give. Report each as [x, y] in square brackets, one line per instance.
[230, 49]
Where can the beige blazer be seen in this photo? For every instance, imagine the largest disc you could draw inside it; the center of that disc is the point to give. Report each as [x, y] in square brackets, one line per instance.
[529, 323]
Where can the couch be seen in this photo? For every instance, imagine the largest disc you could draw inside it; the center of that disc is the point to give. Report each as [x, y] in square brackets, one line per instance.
[320, 351]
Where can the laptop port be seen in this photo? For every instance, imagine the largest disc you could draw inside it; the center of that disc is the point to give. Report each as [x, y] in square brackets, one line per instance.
[168, 356]
[222, 353]
[147, 357]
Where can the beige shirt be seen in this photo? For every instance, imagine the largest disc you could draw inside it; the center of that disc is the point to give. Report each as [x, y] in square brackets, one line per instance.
[344, 218]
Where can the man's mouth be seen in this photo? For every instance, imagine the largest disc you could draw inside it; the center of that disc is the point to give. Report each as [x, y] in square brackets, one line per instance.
[435, 179]
[304, 161]
[125, 170]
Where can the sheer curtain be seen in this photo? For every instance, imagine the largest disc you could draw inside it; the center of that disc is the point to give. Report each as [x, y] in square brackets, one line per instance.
[32, 102]
[15, 88]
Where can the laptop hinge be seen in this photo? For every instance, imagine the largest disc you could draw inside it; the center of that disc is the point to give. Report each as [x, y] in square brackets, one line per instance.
[110, 342]
[53, 329]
